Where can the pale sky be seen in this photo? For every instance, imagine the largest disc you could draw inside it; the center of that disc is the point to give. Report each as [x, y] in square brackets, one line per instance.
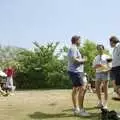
[24, 21]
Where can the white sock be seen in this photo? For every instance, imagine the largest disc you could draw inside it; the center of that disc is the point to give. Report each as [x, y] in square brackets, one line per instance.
[78, 109]
[100, 102]
[105, 103]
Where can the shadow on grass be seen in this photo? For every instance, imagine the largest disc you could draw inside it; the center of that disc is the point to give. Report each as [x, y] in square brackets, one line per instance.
[91, 108]
[40, 115]
[116, 99]
[52, 104]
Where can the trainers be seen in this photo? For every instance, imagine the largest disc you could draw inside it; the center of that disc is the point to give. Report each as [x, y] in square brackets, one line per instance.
[84, 113]
[11, 94]
[76, 111]
[105, 107]
[100, 105]
[3, 93]
[118, 115]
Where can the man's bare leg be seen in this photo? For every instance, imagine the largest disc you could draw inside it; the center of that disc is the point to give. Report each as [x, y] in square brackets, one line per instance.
[98, 91]
[74, 93]
[81, 95]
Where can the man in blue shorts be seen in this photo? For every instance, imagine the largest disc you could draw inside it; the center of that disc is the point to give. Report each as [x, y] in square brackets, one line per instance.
[76, 73]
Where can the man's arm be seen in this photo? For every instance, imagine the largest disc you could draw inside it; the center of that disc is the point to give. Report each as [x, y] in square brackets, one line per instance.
[79, 60]
[75, 57]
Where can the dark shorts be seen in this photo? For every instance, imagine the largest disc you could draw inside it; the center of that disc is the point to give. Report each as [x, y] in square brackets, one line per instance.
[112, 77]
[116, 73]
[77, 78]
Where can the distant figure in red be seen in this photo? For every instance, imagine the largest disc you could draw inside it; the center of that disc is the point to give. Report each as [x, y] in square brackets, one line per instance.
[9, 83]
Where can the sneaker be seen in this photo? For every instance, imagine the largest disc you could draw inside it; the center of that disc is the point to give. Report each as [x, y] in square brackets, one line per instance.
[118, 115]
[3, 93]
[76, 111]
[100, 105]
[105, 107]
[11, 94]
[84, 113]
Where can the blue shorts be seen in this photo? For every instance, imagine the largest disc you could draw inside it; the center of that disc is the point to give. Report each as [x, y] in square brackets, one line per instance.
[102, 76]
[77, 78]
[116, 73]
[112, 76]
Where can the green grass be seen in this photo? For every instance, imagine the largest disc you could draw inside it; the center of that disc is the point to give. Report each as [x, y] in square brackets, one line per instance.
[48, 105]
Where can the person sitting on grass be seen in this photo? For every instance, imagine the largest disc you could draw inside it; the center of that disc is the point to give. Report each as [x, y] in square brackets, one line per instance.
[2, 82]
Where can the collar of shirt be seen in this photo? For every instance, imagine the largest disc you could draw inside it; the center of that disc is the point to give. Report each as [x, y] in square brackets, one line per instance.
[115, 48]
[117, 44]
[75, 46]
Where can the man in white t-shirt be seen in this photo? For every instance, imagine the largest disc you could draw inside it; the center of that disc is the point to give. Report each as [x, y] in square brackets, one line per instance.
[115, 43]
[76, 73]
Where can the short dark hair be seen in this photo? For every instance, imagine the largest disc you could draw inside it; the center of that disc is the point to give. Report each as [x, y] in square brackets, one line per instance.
[74, 39]
[114, 39]
[100, 45]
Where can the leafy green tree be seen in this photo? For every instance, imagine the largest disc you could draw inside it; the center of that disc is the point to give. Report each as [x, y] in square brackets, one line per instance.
[41, 68]
[89, 50]
[8, 55]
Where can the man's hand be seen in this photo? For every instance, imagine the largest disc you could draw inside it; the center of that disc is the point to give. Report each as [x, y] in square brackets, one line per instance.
[79, 61]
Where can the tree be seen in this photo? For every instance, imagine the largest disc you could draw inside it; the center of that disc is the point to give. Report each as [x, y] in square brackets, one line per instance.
[89, 50]
[8, 55]
[41, 68]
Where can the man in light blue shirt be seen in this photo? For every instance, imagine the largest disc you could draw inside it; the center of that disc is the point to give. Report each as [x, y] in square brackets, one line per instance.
[115, 43]
[73, 55]
[76, 73]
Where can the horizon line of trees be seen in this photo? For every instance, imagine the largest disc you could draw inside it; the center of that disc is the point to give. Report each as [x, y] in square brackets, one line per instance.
[42, 67]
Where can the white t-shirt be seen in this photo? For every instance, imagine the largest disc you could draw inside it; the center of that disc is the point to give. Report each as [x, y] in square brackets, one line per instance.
[101, 59]
[74, 52]
[116, 56]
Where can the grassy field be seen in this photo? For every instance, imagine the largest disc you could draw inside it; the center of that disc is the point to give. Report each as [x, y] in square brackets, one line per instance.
[47, 105]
